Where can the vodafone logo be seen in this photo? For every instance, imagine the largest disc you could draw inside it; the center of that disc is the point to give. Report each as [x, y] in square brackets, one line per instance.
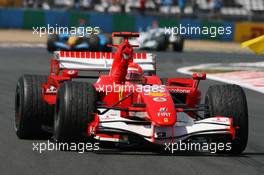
[159, 99]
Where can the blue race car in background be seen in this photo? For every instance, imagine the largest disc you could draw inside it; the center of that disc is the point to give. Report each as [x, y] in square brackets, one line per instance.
[67, 42]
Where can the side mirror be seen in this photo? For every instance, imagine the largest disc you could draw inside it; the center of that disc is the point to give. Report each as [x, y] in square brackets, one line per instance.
[199, 76]
[70, 73]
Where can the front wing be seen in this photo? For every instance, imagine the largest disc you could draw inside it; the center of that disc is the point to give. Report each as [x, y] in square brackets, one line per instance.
[184, 128]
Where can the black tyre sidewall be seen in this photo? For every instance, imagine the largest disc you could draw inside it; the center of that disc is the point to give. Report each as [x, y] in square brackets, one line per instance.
[72, 111]
[162, 43]
[30, 110]
[230, 101]
[178, 45]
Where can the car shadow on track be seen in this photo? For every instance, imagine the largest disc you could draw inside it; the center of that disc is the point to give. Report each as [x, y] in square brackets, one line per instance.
[150, 150]
[253, 153]
[177, 154]
[154, 150]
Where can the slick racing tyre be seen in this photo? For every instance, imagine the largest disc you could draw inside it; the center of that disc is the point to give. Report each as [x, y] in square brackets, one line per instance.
[178, 44]
[162, 43]
[109, 41]
[31, 112]
[50, 43]
[94, 42]
[230, 101]
[76, 103]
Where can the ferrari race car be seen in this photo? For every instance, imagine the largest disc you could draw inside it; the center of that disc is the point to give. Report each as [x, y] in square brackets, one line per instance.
[158, 39]
[68, 42]
[127, 105]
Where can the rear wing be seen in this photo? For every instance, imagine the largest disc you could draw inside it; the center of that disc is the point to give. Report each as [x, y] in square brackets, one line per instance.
[100, 61]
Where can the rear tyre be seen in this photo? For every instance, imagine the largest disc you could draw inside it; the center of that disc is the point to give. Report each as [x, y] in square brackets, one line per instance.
[50, 43]
[94, 42]
[76, 103]
[31, 112]
[109, 41]
[178, 44]
[230, 101]
[162, 43]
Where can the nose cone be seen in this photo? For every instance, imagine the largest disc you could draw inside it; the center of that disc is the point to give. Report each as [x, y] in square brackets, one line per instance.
[160, 108]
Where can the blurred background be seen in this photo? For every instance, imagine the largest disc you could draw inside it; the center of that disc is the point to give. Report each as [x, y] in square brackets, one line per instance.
[251, 10]
[244, 16]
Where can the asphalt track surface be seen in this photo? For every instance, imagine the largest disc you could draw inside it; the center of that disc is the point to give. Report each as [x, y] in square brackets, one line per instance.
[17, 156]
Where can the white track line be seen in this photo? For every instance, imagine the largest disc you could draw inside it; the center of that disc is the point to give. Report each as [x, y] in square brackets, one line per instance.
[22, 45]
[187, 70]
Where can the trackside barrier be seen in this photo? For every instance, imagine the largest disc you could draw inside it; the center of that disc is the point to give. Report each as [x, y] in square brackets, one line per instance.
[20, 18]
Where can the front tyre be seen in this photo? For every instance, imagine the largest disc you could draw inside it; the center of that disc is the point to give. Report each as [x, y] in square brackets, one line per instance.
[230, 101]
[76, 103]
[31, 112]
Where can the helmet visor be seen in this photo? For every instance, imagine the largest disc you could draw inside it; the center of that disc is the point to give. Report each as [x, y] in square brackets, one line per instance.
[133, 76]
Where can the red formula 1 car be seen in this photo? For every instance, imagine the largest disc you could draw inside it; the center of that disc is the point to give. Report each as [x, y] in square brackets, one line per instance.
[128, 104]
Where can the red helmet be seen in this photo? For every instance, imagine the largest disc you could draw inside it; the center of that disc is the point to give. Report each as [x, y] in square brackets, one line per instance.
[134, 72]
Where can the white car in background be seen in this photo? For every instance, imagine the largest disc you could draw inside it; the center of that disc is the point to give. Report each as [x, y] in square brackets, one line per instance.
[158, 39]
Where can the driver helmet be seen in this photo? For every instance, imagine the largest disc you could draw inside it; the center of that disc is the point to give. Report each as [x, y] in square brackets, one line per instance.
[134, 73]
